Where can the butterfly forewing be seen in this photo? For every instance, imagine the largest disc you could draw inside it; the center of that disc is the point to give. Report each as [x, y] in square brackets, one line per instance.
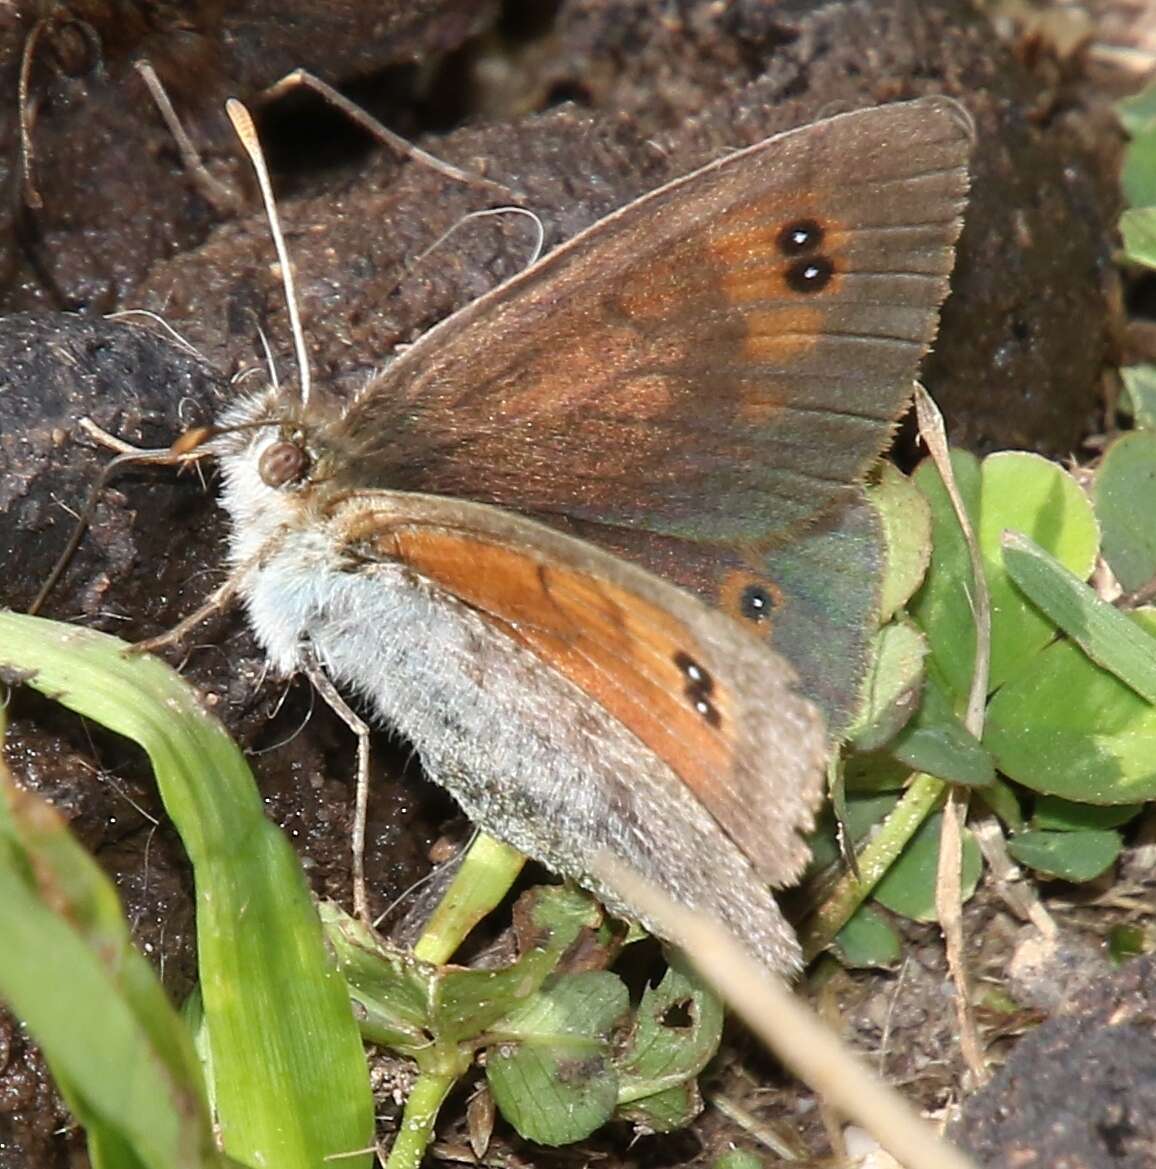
[716, 706]
[715, 361]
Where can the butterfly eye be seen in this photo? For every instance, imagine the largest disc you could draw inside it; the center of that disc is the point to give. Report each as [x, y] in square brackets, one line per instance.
[282, 464]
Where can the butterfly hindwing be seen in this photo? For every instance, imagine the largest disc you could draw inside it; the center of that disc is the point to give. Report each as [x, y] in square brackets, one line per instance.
[814, 598]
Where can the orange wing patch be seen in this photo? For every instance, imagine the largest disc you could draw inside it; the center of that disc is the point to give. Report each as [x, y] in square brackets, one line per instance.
[775, 265]
[632, 657]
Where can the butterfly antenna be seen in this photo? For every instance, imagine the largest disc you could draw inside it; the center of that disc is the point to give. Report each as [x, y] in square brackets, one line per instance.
[220, 195]
[247, 134]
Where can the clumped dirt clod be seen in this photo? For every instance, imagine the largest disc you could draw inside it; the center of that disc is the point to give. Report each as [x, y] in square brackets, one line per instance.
[1080, 1090]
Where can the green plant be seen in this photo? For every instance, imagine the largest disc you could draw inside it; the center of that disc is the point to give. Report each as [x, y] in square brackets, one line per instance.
[283, 1064]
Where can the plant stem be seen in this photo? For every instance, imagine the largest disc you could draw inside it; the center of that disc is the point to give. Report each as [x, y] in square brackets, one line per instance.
[922, 794]
[487, 873]
[418, 1118]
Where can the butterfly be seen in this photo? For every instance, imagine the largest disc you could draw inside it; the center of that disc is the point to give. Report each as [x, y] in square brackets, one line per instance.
[541, 544]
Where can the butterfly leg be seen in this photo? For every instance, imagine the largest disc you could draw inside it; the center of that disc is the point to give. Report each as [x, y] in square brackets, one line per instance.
[126, 453]
[102, 437]
[220, 196]
[379, 131]
[26, 114]
[312, 670]
[218, 602]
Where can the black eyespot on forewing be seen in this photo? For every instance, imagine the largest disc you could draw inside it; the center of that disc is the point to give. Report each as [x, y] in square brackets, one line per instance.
[800, 238]
[699, 688]
[810, 274]
[756, 603]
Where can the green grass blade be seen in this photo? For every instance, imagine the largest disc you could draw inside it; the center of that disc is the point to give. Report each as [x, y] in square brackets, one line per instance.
[1138, 229]
[290, 1080]
[120, 1053]
[1105, 634]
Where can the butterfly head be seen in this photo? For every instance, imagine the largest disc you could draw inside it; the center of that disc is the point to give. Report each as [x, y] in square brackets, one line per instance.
[274, 459]
[285, 463]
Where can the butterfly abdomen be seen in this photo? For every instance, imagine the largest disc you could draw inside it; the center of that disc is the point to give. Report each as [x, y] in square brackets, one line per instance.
[526, 755]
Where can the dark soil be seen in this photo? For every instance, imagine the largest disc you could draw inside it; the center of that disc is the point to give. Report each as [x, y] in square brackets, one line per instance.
[575, 107]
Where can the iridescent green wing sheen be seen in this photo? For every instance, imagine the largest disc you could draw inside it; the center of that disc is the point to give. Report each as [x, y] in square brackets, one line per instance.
[814, 597]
